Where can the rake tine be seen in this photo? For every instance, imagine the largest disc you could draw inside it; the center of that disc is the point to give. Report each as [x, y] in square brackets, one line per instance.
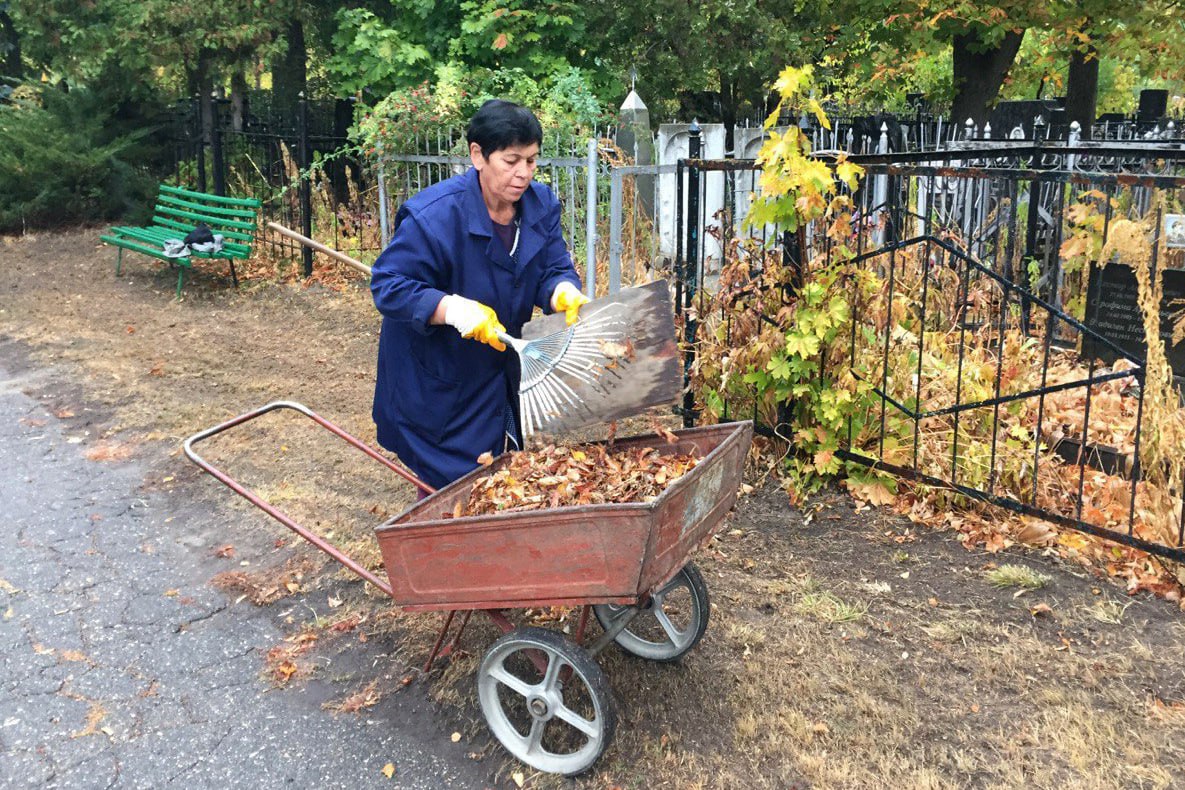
[576, 352]
[524, 408]
[550, 398]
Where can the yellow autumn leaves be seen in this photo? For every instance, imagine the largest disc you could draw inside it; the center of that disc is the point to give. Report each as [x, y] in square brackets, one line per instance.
[796, 187]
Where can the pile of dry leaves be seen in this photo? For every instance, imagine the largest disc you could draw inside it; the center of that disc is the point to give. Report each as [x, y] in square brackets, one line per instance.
[559, 476]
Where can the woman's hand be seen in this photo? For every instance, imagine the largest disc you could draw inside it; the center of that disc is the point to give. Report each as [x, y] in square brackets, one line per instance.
[473, 319]
[566, 298]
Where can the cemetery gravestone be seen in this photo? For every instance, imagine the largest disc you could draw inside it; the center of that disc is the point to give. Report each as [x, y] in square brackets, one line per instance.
[1113, 310]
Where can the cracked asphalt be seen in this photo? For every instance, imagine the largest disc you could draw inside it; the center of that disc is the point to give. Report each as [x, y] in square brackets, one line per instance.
[120, 666]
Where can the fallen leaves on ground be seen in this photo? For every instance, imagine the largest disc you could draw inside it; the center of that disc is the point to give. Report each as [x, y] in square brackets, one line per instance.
[366, 697]
[283, 661]
[108, 451]
[265, 586]
[561, 476]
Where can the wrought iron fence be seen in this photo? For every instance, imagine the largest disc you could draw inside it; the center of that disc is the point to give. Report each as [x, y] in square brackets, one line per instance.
[1005, 362]
[263, 151]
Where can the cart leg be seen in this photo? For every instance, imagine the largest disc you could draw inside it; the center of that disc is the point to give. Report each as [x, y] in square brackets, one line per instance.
[451, 647]
[582, 624]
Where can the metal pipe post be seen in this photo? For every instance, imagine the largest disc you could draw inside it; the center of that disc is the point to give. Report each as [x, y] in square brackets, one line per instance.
[306, 197]
[615, 210]
[590, 211]
[691, 271]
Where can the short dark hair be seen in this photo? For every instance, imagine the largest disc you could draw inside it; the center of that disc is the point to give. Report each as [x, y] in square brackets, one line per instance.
[500, 124]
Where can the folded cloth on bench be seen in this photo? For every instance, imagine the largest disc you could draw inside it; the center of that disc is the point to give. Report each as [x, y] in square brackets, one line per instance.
[214, 245]
[175, 248]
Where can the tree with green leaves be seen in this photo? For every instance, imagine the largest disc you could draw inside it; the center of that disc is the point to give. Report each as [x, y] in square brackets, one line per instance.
[714, 60]
[385, 47]
[982, 41]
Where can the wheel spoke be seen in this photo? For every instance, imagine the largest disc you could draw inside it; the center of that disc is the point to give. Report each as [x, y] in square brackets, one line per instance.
[674, 635]
[534, 738]
[587, 726]
[551, 677]
[515, 684]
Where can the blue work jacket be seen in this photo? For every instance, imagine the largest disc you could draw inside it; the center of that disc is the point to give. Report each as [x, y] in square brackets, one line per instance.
[440, 400]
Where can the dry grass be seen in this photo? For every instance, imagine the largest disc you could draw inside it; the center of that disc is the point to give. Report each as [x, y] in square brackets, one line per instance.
[1017, 576]
[845, 651]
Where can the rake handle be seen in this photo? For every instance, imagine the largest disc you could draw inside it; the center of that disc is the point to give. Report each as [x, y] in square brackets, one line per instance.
[319, 247]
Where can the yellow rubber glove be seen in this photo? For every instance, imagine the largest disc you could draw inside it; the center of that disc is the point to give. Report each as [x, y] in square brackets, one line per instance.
[567, 299]
[474, 320]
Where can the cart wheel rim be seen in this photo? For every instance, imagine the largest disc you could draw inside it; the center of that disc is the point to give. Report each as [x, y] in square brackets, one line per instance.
[553, 720]
[671, 623]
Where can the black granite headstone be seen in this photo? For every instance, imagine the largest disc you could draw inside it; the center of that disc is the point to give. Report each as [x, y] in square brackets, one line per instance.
[1154, 103]
[1113, 310]
[1007, 115]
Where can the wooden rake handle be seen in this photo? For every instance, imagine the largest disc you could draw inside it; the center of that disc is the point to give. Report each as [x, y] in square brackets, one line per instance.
[319, 247]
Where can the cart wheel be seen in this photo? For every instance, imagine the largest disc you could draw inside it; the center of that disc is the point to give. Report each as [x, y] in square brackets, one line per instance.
[672, 622]
[558, 719]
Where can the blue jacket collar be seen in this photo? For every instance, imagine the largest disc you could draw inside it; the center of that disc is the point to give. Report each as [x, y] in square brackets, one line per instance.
[530, 235]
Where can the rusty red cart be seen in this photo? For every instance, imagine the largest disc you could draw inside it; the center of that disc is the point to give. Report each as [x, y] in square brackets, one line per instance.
[542, 695]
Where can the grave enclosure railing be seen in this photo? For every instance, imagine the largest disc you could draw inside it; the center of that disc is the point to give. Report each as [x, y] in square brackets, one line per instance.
[1013, 368]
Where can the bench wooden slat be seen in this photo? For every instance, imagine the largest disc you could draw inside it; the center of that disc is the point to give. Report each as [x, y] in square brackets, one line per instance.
[205, 196]
[186, 227]
[131, 244]
[212, 211]
[213, 222]
[159, 236]
[164, 221]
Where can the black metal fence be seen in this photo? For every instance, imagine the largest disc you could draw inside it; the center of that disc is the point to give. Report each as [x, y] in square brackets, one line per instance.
[997, 357]
[261, 150]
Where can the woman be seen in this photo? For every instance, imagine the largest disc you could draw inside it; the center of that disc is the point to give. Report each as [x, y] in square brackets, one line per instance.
[472, 256]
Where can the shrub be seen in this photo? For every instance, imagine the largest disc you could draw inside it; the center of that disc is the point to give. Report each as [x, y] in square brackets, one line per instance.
[59, 164]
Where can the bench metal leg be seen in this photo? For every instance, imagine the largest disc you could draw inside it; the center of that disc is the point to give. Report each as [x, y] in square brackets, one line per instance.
[118, 260]
[180, 279]
[234, 278]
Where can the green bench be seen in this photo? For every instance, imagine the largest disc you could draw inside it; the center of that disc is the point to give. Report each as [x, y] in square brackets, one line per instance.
[177, 212]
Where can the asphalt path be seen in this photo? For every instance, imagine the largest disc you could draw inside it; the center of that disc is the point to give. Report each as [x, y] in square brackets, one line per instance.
[120, 666]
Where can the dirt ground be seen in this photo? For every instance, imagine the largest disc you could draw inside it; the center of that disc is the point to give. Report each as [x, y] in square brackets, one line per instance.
[847, 649]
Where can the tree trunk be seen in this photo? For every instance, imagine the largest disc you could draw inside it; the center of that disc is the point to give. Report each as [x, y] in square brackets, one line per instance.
[1082, 89]
[238, 100]
[979, 72]
[205, 91]
[343, 116]
[10, 48]
[289, 75]
[728, 110]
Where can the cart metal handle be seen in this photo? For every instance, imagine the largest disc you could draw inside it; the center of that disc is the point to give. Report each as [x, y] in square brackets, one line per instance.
[277, 514]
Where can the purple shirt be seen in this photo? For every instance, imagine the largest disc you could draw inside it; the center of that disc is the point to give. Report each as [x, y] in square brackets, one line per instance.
[505, 233]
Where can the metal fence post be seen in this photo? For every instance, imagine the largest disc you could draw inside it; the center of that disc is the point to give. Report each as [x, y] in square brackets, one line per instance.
[217, 163]
[616, 187]
[384, 220]
[691, 271]
[590, 212]
[306, 197]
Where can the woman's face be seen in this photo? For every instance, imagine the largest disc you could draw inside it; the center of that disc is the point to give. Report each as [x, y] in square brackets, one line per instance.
[506, 173]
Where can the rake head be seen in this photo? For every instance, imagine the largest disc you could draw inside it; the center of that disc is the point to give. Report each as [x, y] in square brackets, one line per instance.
[553, 365]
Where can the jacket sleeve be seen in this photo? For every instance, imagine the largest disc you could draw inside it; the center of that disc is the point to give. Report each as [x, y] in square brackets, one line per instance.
[407, 277]
[557, 261]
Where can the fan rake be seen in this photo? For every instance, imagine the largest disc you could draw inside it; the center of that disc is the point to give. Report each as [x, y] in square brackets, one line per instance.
[580, 352]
